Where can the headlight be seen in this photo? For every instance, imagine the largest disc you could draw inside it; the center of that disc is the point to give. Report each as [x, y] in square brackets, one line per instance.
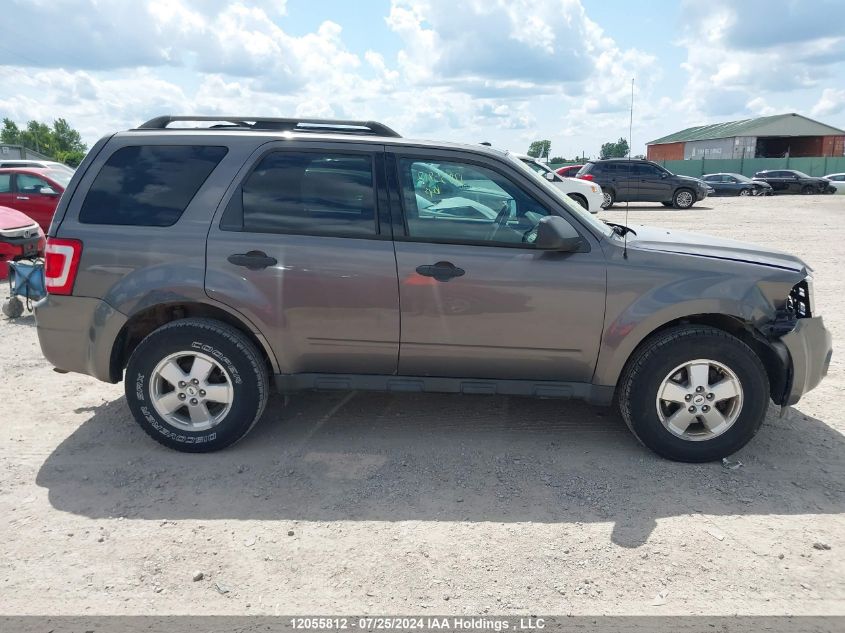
[801, 300]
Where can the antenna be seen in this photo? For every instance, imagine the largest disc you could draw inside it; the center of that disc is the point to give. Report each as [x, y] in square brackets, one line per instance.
[630, 145]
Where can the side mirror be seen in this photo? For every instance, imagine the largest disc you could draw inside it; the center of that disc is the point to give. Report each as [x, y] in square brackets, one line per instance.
[549, 175]
[663, 174]
[796, 177]
[556, 234]
[48, 191]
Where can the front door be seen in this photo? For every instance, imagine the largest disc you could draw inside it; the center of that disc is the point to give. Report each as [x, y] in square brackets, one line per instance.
[301, 252]
[650, 184]
[478, 299]
[36, 198]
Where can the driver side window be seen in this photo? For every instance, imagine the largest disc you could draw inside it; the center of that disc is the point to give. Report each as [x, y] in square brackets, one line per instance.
[449, 201]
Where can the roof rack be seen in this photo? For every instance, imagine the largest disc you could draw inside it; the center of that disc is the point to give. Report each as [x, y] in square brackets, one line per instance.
[326, 126]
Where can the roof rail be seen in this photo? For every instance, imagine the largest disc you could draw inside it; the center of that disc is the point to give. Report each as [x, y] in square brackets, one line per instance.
[330, 126]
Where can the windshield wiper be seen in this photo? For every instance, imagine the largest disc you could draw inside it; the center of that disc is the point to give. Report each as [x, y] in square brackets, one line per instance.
[620, 229]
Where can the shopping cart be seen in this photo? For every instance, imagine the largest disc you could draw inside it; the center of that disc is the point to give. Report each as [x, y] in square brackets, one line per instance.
[26, 285]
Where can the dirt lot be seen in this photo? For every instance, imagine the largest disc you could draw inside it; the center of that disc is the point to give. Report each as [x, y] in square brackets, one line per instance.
[441, 504]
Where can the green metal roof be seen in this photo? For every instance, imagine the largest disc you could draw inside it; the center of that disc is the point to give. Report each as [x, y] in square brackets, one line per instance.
[791, 124]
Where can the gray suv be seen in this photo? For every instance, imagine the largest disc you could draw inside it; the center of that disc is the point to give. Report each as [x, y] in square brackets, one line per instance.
[200, 264]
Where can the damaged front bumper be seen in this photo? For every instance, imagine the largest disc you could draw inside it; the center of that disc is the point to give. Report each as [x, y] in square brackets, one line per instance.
[807, 349]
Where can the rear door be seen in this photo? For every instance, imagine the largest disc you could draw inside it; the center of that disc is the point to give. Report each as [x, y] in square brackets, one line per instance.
[302, 251]
[478, 300]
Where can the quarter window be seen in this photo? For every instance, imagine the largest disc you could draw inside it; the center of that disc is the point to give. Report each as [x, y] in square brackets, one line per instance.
[448, 201]
[318, 194]
[148, 185]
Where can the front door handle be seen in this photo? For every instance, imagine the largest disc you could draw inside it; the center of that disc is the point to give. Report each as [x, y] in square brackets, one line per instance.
[23, 197]
[441, 271]
[254, 260]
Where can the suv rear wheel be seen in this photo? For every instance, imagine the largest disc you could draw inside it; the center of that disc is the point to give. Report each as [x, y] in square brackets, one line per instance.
[609, 199]
[694, 394]
[196, 385]
[683, 199]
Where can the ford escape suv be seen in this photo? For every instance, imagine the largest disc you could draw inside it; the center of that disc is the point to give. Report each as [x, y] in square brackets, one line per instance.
[200, 265]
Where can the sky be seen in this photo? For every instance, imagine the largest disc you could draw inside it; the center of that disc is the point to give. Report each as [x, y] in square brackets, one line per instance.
[502, 71]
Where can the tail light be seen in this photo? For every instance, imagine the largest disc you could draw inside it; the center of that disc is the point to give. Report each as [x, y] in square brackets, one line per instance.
[62, 264]
[585, 176]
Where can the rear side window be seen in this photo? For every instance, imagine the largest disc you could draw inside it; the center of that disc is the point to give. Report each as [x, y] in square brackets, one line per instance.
[148, 185]
[309, 193]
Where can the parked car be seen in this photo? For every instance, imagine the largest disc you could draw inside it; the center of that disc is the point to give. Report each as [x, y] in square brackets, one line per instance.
[793, 181]
[33, 191]
[570, 171]
[728, 184]
[637, 180]
[195, 265]
[38, 164]
[587, 194]
[20, 238]
[837, 181]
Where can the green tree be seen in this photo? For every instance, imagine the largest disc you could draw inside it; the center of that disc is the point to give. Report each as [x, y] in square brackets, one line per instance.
[10, 134]
[60, 142]
[539, 149]
[619, 149]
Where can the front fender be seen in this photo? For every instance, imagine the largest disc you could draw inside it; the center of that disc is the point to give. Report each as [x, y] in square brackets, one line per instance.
[661, 288]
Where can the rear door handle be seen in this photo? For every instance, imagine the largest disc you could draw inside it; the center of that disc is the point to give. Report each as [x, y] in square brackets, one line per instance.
[23, 197]
[254, 260]
[441, 271]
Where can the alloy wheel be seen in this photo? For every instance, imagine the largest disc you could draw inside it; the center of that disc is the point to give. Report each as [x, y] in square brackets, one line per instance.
[699, 400]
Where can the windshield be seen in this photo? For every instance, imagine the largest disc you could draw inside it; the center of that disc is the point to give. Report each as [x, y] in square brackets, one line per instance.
[573, 207]
[60, 176]
[741, 178]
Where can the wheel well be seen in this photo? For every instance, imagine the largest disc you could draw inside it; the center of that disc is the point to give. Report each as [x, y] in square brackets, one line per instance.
[775, 367]
[580, 199]
[146, 321]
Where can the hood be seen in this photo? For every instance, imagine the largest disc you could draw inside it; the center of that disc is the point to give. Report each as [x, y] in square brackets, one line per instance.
[687, 243]
[11, 219]
[690, 179]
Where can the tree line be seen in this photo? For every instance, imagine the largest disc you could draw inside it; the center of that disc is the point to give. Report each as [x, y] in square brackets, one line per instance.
[619, 149]
[60, 141]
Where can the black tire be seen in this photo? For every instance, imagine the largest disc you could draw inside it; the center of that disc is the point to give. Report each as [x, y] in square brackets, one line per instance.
[683, 198]
[580, 200]
[745, 192]
[609, 198]
[652, 362]
[245, 370]
[807, 190]
[667, 204]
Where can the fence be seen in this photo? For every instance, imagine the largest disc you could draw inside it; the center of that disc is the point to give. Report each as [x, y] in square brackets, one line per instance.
[697, 167]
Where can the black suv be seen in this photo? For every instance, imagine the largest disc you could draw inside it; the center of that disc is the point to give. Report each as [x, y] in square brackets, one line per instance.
[792, 181]
[633, 180]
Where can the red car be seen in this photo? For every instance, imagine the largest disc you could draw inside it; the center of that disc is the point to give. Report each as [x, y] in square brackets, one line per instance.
[20, 238]
[569, 171]
[33, 191]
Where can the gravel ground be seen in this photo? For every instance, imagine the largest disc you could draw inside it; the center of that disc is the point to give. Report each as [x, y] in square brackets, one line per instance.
[441, 504]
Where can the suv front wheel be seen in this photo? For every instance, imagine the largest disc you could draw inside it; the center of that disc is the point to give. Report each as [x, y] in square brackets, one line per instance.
[694, 394]
[683, 199]
[196, 385]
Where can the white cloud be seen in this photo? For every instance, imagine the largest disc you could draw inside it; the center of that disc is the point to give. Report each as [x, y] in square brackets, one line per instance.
[831, 102]
[739, 52]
